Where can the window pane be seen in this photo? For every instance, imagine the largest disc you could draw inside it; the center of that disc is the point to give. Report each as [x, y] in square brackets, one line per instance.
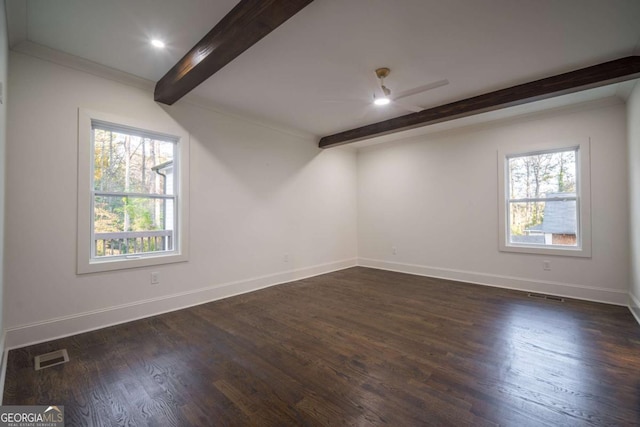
[131, 163]
[132, 225]
[543, 223]
[542, 175]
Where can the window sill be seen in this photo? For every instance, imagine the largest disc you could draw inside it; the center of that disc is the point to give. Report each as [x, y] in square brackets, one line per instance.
[545, 250]
[97, 266]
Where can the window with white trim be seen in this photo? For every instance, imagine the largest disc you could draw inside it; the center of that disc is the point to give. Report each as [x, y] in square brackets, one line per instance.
[130, 195]
[545, 201]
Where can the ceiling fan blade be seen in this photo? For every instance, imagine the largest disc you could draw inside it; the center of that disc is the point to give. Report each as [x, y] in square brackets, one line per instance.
[421, 89]
[346, 101]
[409, 107]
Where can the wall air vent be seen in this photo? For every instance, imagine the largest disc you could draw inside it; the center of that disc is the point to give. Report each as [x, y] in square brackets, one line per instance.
[51, 359]
[547, 297]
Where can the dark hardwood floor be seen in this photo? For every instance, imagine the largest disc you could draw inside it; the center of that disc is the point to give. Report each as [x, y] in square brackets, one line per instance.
[355, 347]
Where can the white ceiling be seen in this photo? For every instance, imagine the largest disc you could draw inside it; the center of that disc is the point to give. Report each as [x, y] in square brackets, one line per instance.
[315, 72]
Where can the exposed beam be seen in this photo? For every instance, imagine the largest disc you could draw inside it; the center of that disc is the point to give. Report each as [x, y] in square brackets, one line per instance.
[247, 23]
[585, 78]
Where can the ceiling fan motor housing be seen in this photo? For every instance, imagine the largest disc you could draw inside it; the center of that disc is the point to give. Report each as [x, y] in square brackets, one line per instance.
[382, 72]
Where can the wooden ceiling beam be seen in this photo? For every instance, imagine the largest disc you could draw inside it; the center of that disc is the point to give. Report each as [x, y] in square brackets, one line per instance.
[247, 23]
[574, 81]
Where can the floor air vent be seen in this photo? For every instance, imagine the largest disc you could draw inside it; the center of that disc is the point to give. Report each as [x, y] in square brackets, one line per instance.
[549, 297]
[51, 359]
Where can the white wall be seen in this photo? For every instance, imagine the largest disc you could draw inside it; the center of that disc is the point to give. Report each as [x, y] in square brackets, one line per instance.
[4, 59]
[434, 198]
[256, 194]
[633, 123]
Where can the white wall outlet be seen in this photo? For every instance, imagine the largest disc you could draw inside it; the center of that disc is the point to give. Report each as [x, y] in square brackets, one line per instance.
[285, 258]
[155, 277]
[546, 265]
[394, 250]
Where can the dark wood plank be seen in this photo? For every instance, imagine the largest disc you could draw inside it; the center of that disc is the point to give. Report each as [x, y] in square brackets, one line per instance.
[585, 78]
[247, 23]
[354, 347]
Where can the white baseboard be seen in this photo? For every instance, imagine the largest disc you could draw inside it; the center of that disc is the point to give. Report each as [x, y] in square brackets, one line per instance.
[568, 290]
[634, 306]
[21, 336]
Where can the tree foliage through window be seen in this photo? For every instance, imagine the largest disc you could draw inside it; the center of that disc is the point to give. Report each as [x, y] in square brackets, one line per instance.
[133, 192]
[125, 164]
[533, 178]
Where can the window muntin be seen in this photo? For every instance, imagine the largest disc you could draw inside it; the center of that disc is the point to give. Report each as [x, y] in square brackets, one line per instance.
[561, 171]
[543, 199]
[133, 192]
[157, 207]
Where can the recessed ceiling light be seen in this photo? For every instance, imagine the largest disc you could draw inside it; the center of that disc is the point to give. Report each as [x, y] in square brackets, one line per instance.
[381, 101]
[157, 43]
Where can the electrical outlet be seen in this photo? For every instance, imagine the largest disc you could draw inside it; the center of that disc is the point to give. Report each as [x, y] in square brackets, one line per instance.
[155, 277]
[285, 258]
[546, 265]
[394, 250]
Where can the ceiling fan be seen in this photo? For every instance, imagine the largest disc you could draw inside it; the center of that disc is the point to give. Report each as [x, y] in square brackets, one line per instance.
[387, 98]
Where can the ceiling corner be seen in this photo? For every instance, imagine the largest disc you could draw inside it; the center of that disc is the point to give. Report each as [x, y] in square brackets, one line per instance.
[624, 89]
[16, 21]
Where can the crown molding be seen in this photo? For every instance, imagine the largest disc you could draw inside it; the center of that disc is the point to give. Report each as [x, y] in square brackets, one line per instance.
[77, 63]
[80, 64]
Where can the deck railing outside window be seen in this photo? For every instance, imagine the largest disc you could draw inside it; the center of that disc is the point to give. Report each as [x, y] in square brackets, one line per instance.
[132, 242]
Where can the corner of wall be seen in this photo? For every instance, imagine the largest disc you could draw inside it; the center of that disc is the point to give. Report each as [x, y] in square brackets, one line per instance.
[4, 62]
[4, 355]
[634, 306]
[633, 155]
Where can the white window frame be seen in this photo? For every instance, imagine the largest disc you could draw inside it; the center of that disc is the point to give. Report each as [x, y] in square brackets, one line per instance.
[583, 200]
[87, 263]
